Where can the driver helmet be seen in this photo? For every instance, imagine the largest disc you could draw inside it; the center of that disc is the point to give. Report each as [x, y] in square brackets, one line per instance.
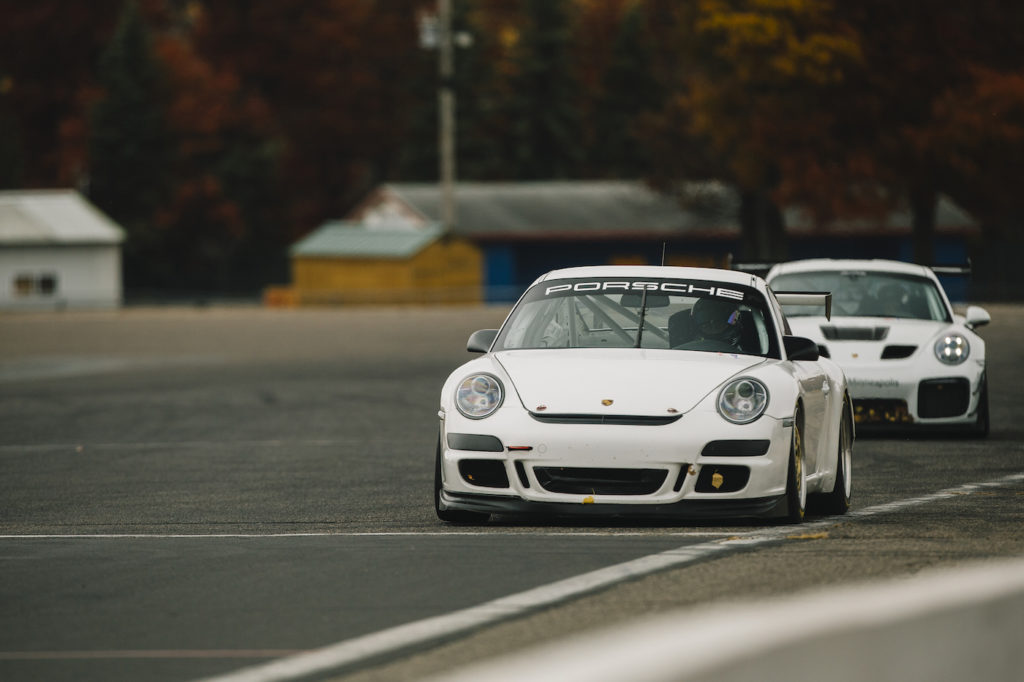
[717, 319]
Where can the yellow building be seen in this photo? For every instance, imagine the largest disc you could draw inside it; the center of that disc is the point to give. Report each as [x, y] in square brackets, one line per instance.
[350, 263]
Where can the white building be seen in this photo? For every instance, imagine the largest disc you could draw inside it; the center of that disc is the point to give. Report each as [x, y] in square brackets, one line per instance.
[57, 251]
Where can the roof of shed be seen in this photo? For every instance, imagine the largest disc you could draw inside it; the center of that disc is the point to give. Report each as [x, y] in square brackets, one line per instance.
[608, 209]
[572, 208]
[346, 239]
[58, 217]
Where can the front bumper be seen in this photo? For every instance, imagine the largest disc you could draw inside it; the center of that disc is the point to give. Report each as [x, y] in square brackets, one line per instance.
[525, 466]
[889, 396]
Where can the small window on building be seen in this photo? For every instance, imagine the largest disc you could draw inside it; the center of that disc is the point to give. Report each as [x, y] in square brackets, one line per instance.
[35, 285]
[24, 285]
[47, 284]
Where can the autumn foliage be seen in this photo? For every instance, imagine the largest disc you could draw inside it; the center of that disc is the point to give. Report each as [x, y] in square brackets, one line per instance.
[219, 131]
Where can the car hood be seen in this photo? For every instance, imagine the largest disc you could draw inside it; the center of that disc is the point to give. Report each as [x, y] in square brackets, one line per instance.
[883, 329]
[867, 336]
[638, 382]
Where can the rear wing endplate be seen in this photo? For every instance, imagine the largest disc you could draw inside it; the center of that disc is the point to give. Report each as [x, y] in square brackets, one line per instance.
[820, 298]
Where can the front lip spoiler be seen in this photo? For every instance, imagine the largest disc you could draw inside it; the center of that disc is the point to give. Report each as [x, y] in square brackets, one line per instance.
[759, 507]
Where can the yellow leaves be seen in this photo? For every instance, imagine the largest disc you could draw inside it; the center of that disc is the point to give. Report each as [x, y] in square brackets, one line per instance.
[779, 41]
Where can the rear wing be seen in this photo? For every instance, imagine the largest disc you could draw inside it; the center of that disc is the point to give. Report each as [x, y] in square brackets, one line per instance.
[963, 270]
[819, 298]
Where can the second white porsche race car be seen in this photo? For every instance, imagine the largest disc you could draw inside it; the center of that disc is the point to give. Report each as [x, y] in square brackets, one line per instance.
[644, 391]
[910, 360]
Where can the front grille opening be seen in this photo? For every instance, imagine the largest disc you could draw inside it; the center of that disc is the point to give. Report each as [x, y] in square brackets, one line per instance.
[613, 419]
[897, 352]
[521, 473]
[593, 481]
[722, 479]
[943, 397]
[488, 473]
[881, 411]
[681, 478]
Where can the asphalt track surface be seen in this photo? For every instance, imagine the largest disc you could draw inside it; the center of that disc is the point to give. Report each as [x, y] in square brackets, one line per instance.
[187, 493]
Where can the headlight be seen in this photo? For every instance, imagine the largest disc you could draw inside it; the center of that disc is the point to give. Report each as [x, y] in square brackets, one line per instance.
[952, 349]
[479, 395]
[743, 400]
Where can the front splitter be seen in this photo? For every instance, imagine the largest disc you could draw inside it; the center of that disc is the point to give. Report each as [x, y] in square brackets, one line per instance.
[760, 507]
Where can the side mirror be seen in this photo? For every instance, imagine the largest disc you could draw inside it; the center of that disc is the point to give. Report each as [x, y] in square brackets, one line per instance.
[480, 341]
[976, 317]
[800, 348]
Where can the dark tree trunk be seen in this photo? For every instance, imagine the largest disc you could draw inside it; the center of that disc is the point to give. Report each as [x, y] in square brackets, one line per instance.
[762, 232]
[923, 203]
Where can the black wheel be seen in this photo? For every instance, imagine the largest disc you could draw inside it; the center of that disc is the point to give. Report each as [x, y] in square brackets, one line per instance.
[838, 501]
[981, 427]
[796, 479]
[451, 515]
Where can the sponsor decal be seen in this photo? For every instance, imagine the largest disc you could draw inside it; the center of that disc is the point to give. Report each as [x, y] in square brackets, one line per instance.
[676, 287]
[873, 383]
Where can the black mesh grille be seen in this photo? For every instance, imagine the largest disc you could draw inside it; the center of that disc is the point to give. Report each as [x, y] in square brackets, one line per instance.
[881, 411]
[943, 397]
[593, 481]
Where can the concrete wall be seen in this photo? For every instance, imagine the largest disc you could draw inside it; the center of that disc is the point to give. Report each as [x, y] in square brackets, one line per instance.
[956, 624]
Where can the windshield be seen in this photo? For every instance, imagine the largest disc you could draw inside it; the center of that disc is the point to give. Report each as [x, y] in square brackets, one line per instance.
[859, 293]
[607, 313]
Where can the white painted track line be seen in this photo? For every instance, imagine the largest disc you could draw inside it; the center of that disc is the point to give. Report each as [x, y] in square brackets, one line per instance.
[418, 633]
[381, 534]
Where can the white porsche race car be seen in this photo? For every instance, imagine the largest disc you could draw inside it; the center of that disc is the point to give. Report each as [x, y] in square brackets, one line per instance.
[648, 392]
[909, 359]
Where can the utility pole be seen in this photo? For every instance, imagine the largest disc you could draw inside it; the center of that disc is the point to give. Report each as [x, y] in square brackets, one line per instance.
[446, 115]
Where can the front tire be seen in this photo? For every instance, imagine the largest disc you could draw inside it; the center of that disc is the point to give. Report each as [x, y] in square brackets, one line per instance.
[796, 478]
[451, 515]
[981, 425]
[838, 501]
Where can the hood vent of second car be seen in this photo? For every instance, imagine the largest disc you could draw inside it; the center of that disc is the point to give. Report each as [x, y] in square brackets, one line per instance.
[833, 333]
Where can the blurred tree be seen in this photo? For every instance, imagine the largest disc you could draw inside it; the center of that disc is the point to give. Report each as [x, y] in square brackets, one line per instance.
[338, 75]
[928, 68]
[48, 55]
[753, 77]
[222, 223]
[628, 90]
[544, 139]
[129, 170]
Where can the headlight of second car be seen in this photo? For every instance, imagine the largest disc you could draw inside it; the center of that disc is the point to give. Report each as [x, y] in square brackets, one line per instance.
[952, 349]
[479, 395]
[743, 400]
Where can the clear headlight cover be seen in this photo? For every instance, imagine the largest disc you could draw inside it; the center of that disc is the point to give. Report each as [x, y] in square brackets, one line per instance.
[743, 400]
[952, 349]
[479, 395]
